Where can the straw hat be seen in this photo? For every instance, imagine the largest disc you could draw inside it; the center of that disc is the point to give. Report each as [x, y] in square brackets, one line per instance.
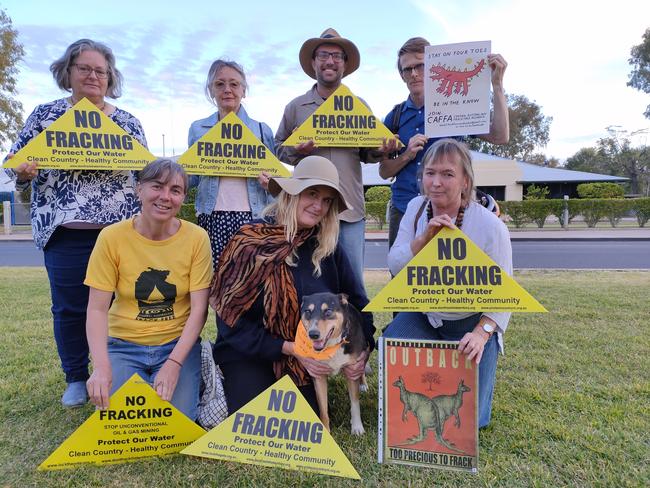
[329, 36]
[311, 171]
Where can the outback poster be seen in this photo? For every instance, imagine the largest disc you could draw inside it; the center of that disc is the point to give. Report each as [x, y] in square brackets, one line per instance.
[428, 413]
[457, 89]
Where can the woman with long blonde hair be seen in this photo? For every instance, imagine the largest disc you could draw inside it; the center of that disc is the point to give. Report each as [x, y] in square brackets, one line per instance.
[264, 272]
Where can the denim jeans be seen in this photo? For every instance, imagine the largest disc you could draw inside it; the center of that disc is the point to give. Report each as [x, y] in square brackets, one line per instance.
[128, 358]
[352, 239]
[66, 258]
[415, 325]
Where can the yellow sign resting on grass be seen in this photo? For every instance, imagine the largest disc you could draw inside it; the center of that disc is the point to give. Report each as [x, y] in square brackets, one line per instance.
[278, 429]
[83, 138]
[452, 274]
[137, 424]
[231, 149]
[343, 120]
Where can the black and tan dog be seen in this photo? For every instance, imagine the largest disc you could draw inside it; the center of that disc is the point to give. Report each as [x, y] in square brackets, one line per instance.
[334, 325]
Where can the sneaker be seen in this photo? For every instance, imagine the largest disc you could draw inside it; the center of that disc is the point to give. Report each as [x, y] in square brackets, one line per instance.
[75, 395]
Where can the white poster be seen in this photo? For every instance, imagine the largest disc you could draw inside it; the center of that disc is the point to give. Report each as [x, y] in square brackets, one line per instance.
[457, 89]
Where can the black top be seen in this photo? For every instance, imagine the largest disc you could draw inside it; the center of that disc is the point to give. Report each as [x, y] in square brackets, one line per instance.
[249, 339]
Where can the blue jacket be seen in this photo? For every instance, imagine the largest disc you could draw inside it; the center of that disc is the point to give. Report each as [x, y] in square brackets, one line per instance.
[208, 186]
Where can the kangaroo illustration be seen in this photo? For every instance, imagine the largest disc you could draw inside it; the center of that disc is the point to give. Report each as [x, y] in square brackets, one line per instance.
[448, 78]
[448, 405]
[431, 413]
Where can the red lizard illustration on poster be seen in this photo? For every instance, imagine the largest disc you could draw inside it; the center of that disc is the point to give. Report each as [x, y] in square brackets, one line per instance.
[449, 79]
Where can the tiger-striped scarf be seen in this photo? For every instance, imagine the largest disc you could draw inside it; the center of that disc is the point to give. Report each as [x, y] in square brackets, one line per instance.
[256, 256]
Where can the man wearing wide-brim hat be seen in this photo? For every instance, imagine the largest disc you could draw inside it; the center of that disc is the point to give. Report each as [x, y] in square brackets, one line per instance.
[328, 59]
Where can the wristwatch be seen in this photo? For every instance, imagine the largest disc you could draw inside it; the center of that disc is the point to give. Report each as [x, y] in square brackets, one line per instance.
[489, 328]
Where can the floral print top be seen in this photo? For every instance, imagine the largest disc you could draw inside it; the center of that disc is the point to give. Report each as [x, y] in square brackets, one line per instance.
[80, 196]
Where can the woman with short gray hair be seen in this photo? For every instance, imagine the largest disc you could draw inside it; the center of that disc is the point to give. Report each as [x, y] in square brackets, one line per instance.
[223, 203]
[69, 207]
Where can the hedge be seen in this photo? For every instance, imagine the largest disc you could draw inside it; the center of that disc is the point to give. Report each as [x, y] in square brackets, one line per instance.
[600, 190]
[592, 210]
[641, 207]
[187, 212]
[377, 210]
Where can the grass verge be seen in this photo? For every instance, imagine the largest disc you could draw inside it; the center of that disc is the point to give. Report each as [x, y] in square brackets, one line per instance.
[571, 408]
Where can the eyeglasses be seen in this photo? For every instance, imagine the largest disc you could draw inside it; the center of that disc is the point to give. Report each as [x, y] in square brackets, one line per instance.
[418, 68]
[324, 56]
[221, 85]
[85, 70]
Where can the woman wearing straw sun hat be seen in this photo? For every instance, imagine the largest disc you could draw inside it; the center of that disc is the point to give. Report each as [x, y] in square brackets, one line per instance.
[264, 272]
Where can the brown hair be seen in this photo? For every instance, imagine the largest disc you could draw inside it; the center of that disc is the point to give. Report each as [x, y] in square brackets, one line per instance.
[414, 45]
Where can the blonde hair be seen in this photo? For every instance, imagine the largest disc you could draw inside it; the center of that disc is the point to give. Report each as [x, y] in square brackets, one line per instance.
[285, 211]
[450, 147]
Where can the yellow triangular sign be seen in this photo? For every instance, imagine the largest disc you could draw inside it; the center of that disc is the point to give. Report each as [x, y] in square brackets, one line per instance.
[341, 121]
[452, 274]
[231, 149]
[83, 138]
[278, 429]
[138, 424]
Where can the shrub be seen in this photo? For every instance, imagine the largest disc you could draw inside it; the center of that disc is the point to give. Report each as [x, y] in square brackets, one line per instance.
[535, 192]
[557, 210]
[377, 211]
[515, 211]
[187, 212]
[641, 207]
[592, 210]
[600, 190]
[378, 194]
[615, 210]
[538, 210]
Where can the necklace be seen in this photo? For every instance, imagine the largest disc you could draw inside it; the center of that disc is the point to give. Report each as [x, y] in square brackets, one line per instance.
[459, 216]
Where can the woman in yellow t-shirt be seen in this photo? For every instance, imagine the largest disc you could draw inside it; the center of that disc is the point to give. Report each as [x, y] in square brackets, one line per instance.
[159, 268]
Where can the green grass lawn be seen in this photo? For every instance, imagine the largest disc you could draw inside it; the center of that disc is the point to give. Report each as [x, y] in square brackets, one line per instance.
[571, 408]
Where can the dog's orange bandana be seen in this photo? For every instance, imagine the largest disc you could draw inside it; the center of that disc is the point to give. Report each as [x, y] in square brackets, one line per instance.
[303, 346]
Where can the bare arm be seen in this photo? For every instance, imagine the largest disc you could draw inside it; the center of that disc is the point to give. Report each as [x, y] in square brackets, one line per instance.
[500, 125]
[167, 377]
[100, 381]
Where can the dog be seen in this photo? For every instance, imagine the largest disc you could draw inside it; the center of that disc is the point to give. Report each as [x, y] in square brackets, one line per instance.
[331, 324]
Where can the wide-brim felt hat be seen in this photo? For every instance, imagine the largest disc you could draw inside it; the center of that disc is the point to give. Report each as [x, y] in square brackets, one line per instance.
[329, 36]
[311, 171]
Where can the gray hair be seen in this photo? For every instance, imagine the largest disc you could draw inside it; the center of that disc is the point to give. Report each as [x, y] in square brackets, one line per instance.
[449, 147]
[163, 170]
[61, 67]
[214, 70]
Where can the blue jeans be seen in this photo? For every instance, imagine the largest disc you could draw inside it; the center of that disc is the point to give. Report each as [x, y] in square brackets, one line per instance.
[352, 239]
[415, 325]
[66, 258]
[128, 358]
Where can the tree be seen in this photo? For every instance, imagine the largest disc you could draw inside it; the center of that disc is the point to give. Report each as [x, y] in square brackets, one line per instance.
[11, 52]
[640, 61]
[529, 129]
[614, 155]
[431, 378]
[541, 159]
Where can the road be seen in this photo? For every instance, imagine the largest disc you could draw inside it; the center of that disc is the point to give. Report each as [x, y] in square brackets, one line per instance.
[585, 254]
[549, 254]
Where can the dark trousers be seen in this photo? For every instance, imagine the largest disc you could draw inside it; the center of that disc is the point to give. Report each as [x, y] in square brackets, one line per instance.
[66, 259]
[394, 219]
[245, 379]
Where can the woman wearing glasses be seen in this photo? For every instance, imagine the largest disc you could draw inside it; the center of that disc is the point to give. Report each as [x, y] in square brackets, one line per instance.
[69, 207]
[223, 204]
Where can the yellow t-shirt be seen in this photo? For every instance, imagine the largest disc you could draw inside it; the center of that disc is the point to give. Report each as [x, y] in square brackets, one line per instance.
[152, 280]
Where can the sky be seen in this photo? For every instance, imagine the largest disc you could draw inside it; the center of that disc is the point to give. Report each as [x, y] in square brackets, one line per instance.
[570, 57]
